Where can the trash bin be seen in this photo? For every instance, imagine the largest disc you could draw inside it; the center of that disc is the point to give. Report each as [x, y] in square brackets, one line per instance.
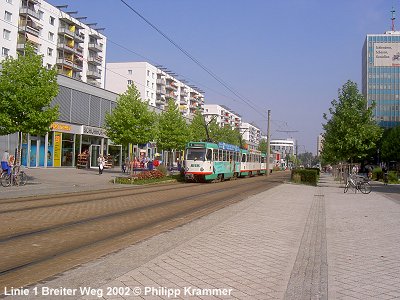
[150, 165]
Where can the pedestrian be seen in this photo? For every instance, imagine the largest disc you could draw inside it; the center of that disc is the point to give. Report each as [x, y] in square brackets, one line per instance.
[101, 162]
[5, 162]
[385, 174]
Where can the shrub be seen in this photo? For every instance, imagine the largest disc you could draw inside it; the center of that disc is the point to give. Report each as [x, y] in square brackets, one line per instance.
[150, 174]
[316, 169]
[392, 177]
[377, 174]
[162, 169]
[309, 176]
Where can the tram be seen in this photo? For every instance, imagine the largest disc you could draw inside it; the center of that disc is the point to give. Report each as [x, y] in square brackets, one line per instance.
[205, 161]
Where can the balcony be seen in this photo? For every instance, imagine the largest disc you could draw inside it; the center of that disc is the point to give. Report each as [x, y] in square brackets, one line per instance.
[182, 102]
[161, 91]
[64, 46]
[66, 31]
[30, 12]
[96, 60]
[79, 37]
[29, 27]
[65, 62]
[95, 47]
[93, 74]
[160, 81]
[78, 66]
[94, 83]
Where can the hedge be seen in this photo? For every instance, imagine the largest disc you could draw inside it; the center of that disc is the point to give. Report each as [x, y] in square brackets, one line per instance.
[306, 176]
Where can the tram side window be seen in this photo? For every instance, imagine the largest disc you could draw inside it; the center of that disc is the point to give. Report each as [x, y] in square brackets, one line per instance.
[215, 155]
[224, 155]
[209, 154]
[244, 158]
[262, 159]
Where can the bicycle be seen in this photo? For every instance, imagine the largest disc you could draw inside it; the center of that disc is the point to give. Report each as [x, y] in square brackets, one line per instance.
[357, 183]
[16, 177]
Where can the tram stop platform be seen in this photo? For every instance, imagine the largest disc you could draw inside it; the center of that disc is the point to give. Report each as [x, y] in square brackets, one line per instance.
[290, 242]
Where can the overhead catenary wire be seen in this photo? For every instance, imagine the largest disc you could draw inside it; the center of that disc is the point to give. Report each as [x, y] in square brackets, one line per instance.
[196, 61]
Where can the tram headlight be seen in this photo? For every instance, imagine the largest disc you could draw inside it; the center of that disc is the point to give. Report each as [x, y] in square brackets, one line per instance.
[187, 168]
[201, 169]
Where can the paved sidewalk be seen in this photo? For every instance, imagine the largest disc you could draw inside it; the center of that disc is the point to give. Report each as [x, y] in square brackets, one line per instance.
[43, 181]
[290, 242]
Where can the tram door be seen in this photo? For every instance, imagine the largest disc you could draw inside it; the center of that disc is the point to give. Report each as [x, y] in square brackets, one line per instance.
[94, 151]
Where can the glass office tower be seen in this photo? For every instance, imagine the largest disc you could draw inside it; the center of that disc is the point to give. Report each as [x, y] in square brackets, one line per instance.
[381, 76]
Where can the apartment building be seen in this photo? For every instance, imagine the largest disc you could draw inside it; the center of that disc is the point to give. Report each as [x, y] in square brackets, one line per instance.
[75, 48]
[251, 134]
[223, 115]
[155, 84]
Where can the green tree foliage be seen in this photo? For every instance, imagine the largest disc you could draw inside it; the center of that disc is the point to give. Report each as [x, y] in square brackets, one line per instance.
[390, 148]
[350, 131]
[173, 132]
[263, 146]
[197, 128]
[26, 91]
[131, 122]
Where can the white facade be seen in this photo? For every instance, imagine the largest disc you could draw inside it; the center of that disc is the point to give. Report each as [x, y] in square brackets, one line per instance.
[251, 134]
[284, 147]
[155, 86]
[78, 50]
[222, 115]
[320, 141]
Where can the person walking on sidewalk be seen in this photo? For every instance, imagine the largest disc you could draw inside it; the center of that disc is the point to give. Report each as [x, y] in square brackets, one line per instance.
[101, 163]
[5, 162]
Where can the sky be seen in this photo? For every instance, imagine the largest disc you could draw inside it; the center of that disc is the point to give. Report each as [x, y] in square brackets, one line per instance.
[290, 57]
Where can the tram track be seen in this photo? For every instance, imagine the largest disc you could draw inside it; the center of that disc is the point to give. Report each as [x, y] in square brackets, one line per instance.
[35, 202]
[85, 239]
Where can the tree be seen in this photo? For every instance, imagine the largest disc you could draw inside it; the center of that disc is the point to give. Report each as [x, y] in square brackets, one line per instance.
[350, 131]
[390, 148]
[131, 122]
[197, 128]
[26, 91]
[173, 132]
[262, 146]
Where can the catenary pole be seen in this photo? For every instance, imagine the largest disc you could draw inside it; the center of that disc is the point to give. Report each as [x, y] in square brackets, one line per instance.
[268, 141]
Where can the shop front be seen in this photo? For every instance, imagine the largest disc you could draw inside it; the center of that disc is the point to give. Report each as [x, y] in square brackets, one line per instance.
[70, 145]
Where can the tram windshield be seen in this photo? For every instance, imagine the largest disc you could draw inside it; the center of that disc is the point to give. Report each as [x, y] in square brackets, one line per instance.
[195, 154]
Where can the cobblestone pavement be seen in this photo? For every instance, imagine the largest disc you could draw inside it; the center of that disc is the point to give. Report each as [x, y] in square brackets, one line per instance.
[291, 242]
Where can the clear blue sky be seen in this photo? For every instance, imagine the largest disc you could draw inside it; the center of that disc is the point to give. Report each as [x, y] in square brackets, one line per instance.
[287, 56]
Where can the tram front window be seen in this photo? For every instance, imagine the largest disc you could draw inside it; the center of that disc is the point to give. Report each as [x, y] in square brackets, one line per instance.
[195, 154]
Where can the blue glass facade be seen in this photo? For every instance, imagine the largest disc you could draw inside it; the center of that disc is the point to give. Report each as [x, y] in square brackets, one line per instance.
[381, 76]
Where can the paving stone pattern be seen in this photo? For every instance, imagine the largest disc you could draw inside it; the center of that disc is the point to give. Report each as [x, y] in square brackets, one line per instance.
[251, 253]
[363, 234]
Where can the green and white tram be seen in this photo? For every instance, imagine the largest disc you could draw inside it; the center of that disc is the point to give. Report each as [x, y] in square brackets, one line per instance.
[206, 161]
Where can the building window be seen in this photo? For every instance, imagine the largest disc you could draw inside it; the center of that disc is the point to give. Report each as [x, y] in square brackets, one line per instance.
[147, 94]
[152, 75]
[6, 34]
[40, 14]
[51, 36]
[129, 82]
[9, 1]
[52, 19]
[148, 83]
[49, 52]
[4, 51]
[7, 16]
[49, 66]
[148, 73]
[152, 85]
[129, 72]
[152, 95]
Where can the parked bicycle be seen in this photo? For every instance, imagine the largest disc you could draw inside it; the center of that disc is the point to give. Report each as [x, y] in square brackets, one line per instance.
[359, 183]
[16, 177]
